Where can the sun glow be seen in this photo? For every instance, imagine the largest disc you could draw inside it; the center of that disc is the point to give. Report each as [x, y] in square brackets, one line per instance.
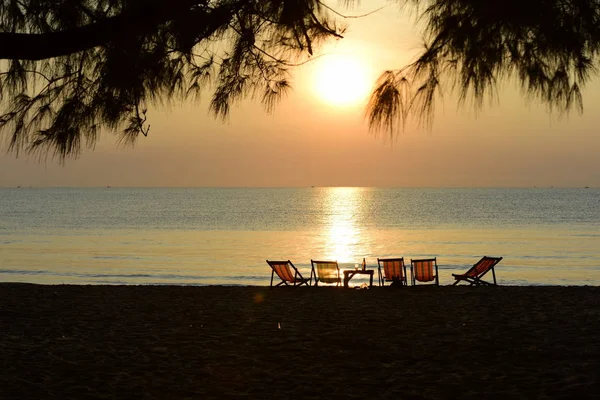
[342, 80]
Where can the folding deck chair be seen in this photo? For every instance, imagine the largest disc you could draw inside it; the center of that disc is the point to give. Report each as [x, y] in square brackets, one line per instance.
[422, 271]
[394, 270]
[325, 272]
[478, 270]
[288, 273]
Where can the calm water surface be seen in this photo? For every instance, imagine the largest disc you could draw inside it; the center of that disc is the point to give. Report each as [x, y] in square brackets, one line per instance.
[223, 235]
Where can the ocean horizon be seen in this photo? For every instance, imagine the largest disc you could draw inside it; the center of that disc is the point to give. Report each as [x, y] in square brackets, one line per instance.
[222, 236]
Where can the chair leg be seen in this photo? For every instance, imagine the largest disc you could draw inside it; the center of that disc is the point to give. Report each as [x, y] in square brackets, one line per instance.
[272, 272]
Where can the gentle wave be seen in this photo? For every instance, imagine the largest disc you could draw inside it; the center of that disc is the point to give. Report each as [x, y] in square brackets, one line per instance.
[203, 236]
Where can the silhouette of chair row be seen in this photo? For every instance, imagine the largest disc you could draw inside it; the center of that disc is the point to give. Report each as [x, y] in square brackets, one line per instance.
[322, 271]
[422, 270]
[391, 270]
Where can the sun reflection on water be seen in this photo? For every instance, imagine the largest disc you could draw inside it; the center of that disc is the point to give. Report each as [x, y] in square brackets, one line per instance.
[343, 206]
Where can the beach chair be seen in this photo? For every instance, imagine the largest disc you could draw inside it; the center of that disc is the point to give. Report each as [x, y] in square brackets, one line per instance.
[288, 273]
[394, 270]
[478, 270]
[325, 272]
[422, 271]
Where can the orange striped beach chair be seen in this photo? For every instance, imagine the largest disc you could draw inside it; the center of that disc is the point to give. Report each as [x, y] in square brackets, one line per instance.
[422, 270]
[288, 273]
[394, 270]
[325, 272]
[478, 270]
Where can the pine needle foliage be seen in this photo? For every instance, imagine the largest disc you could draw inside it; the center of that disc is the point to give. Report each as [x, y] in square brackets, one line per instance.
[71, 68]
[550, 47]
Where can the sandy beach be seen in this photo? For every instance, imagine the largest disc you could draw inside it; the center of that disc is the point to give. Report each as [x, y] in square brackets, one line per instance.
[170, 342]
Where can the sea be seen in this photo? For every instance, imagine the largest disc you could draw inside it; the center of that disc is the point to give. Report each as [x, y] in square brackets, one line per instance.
[223, 236]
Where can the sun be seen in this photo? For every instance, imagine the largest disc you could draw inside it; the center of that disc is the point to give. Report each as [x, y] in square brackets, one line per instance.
[341, 80]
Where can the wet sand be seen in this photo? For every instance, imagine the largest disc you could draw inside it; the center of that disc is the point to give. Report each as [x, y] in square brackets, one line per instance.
[173, 342]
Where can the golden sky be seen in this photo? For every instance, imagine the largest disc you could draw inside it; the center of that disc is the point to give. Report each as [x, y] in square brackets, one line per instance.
[314, 138]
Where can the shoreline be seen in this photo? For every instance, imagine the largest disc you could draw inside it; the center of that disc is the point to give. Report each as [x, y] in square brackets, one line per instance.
[182, 341]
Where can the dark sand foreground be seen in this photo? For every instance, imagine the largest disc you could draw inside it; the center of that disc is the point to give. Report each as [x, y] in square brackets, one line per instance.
[224, 342]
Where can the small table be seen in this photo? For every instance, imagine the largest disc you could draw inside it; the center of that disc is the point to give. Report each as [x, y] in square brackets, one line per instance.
[349, 274]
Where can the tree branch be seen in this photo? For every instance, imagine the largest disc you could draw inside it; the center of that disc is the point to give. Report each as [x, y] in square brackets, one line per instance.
[40, 46]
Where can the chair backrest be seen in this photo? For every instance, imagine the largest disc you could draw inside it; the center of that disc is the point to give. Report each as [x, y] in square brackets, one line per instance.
[327, 271]
[284, 269]
[482, 266]
[393, 268]
[423, 269]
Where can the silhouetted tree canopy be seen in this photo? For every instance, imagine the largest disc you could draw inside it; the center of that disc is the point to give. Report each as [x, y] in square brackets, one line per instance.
[73, 67]
[549, 46]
